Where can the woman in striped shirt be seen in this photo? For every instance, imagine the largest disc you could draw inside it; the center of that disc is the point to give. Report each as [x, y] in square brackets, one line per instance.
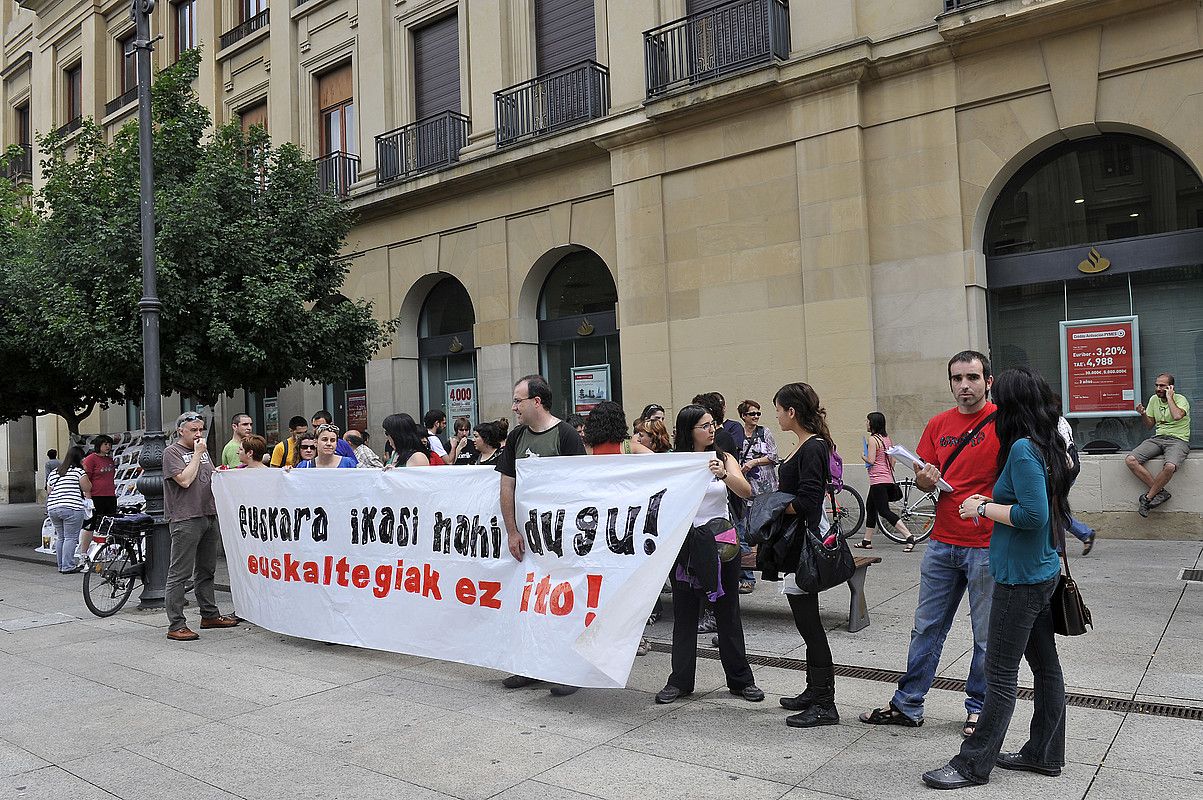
[68, 504]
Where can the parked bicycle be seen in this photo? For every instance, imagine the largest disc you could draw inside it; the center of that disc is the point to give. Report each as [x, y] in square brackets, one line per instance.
[916, 509]
[845, 509]
[115, 562]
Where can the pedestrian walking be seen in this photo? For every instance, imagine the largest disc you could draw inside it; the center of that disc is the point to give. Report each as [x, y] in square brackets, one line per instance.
[881, 480]
[68, 503]
[1028, 504]
[708, 568]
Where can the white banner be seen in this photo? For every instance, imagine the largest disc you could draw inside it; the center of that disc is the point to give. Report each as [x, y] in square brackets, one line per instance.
[416, 560]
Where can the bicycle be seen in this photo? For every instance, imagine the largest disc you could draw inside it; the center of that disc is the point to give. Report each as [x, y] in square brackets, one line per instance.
[845, 509]
[916, 509]
[115, 562]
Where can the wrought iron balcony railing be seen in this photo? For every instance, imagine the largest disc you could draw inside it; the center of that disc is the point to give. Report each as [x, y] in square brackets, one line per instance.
[552, 102]
[244, 30]
[427, 145]
[710, 44]
[120, 102]
[71, 126]
[337, 172]
[21, 165]
[957, 5]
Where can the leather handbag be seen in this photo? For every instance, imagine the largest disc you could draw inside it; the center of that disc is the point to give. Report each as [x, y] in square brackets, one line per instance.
[820, 566]
[1070, 614]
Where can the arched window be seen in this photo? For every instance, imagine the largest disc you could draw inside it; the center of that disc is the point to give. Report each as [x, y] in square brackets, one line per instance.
[578, 333]
[1110, 226]
[446, 351]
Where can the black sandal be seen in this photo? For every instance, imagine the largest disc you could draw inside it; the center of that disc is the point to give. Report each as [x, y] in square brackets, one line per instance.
[863, 545]
[889, 716]
[910, 544]
[970, 726]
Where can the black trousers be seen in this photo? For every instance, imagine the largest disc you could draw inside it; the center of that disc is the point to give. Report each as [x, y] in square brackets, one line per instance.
[687, 603]
[878, 505]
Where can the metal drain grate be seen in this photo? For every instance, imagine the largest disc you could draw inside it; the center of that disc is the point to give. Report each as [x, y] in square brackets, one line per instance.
[1192, 575]
[954, 685]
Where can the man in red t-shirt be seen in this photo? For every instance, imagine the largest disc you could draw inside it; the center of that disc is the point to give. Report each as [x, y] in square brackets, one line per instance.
[958, 556]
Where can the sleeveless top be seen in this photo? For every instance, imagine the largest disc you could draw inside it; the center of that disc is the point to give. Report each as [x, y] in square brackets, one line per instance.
[879, 470]
[612, 448]
[714, 503]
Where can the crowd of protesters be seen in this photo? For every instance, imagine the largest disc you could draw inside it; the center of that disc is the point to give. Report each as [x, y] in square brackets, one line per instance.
[1009, 458]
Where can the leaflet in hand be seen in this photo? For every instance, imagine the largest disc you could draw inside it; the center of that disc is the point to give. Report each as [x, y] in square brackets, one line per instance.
[902, 454]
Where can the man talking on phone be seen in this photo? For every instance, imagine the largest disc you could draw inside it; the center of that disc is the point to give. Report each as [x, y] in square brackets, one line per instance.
[1170, 413]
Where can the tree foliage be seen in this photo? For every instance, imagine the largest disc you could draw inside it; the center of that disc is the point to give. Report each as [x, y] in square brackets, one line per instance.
[247, 249]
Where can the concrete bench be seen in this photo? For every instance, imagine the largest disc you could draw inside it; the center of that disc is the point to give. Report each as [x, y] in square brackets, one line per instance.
[858, 609]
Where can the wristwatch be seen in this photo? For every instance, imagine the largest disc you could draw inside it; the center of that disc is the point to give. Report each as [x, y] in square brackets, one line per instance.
[981, 510]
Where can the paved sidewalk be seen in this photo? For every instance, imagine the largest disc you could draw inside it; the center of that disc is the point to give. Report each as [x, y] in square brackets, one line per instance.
[109, 708]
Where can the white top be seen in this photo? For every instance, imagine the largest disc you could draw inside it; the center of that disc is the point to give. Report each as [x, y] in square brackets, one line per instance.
[714, 503]
[1066, 433]
[436, 444]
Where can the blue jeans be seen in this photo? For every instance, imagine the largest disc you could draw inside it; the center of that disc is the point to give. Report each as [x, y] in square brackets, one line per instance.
[67, 523]
[946, 572]
[1080, 529]
[1021, 626]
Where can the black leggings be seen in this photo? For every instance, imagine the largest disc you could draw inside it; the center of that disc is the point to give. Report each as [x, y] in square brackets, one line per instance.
[806, 616]
[878, 505]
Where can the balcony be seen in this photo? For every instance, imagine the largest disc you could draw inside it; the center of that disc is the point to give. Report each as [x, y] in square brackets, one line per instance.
[70, 127]
[20, 165]
[244, 30]
[957, 5]
[118, 103]
[337, 172]
[427, 145]
[711, 44]
[552, 102]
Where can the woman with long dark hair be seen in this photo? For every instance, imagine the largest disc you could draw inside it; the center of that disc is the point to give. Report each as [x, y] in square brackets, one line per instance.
[68, 495]
[1030, 503]
[881, 477]
[693, 576]
[804, 474]
[408, 441]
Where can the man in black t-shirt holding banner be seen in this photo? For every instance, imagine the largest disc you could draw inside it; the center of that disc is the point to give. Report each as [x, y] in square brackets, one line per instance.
[539, 434]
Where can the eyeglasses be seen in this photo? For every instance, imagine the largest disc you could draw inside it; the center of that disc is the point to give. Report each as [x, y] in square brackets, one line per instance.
[706, 426]
[307, 447]
[752, 414]
[519, 401]
[328, 427]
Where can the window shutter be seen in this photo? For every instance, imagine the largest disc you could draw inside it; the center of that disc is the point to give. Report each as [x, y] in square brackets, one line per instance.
[565, 34]
[254, 115]
[335, 86]
[436, 67]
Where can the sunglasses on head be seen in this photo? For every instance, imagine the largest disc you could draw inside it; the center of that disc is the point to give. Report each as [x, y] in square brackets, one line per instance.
[329, 426]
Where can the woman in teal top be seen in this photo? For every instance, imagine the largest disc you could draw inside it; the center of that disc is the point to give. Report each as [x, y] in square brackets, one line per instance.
[1029, 503]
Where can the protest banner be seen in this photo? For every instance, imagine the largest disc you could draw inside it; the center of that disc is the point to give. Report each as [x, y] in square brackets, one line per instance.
[417, 560]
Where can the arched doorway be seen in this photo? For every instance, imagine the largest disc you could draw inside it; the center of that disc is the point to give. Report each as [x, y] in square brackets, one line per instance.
[1103, 228]
[446, 351]
[578, 333]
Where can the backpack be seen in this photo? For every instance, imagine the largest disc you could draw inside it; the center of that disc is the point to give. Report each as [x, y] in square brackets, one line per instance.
[835, 466]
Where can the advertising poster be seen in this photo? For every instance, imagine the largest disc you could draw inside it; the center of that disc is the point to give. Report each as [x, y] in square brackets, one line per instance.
[459, 399]
[590, 386]
[271, 420]
[357, 409]
[1100, 366]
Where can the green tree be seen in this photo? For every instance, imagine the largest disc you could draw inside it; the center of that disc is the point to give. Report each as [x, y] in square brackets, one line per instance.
[247, 248]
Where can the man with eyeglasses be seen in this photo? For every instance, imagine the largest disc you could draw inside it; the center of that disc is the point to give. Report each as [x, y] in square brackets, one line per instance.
[539, 434]
[1170, 413]
[192, 522]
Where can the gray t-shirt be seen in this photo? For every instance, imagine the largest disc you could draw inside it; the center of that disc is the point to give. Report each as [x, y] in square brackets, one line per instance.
[197, 499]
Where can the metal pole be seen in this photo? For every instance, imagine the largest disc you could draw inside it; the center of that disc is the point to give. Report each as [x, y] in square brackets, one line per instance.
[150, 484]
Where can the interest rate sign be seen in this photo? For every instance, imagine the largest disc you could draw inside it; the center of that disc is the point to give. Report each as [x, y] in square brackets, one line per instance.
[1100, 372]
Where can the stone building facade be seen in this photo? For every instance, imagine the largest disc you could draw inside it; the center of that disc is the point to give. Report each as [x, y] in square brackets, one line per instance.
[708, 195]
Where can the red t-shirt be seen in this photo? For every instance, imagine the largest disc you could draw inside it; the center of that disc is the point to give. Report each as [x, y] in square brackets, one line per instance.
[973, 472]
[101, 471]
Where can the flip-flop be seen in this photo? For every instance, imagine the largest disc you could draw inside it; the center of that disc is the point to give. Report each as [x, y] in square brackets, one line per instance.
[890, 715]
[910, 544]
[863, 545]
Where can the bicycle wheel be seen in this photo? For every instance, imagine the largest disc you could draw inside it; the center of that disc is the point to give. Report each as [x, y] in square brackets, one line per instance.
[916, 509]
[848, 512]
[110, 579]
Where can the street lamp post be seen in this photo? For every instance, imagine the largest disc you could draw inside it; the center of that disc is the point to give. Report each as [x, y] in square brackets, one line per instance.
[150, 484]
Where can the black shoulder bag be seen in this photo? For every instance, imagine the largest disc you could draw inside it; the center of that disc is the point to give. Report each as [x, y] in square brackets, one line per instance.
[821, 567]
[965, 440]
[1070, 614]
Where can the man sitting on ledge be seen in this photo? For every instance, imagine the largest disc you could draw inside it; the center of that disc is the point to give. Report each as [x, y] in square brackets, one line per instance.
[1170, 412]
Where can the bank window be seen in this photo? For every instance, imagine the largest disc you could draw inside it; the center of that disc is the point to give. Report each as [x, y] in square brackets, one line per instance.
[185, 26]
[73, 84]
